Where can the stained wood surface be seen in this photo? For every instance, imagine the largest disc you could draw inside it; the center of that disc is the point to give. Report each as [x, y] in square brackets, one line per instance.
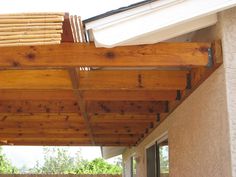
[131, 80]
[45, 99]
[88, 95]
[34, 79]
[72, 55]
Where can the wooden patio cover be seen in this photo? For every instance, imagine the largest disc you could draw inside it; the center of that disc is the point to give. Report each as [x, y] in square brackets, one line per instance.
[47, 99]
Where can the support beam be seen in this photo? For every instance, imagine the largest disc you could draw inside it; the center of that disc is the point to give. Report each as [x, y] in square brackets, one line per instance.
[75, 84]
[126, 107]
[74, 55]
[61, 106]
[35, 79]
[129, 95]
[88, 95]
[133, 80]
[94, 80]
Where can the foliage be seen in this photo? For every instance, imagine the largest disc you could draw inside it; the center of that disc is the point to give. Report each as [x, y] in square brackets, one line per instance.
[5, 165]
[59, 161]
[164, 159]
[56, 161]
[97, 166]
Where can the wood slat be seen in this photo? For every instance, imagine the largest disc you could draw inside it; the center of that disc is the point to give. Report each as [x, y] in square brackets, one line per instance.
[38, 106]
[34, 95]
[126, 107]
[41, 130]
[93, 80]
[44, 125]
[41, 117]
[128, 95]
[34, 79]
[63, 143]
[69, 55]
[89, 95]
[65, 135]
[116, 118]
[133, 79]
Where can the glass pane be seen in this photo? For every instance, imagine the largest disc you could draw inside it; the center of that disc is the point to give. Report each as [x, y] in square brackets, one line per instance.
[164, 159]
[151, 158]
[133, 167]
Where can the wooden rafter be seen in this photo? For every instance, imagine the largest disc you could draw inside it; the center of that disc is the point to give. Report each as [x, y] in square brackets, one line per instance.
[94, 80]
[74, 55]
[88, 95]
[75, 84]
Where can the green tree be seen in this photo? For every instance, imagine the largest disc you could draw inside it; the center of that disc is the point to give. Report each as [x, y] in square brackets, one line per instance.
[59, 161]
[56, 161]
[5, 166]
[98, 166]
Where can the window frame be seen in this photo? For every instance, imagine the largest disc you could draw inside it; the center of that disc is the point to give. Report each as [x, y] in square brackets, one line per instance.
[157, 143]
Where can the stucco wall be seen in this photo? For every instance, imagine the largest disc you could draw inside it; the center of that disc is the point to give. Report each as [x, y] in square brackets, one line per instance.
[228, 23]
[198, 130]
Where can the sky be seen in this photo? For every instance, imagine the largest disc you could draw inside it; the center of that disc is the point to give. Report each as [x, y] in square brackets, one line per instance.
[83, 8]
[28, 156]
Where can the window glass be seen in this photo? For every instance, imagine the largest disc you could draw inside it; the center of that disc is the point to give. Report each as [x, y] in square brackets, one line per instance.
[157, 157]
[133, 167]
[151, 161]
[163, 159]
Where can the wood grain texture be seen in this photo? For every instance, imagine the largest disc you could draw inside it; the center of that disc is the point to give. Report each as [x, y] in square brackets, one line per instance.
[88, 95]
[128, 95]
[126, 107]
[34, 79]
[35, 94]
[132, 79]
[39, 106]
[71, 55]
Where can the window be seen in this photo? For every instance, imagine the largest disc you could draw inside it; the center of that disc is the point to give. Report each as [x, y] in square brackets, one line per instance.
[163, 159]
[133, 166]
[158, 159]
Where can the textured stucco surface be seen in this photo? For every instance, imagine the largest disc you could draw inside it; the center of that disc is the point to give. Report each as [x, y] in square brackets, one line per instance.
[228, 24]
[202, 130]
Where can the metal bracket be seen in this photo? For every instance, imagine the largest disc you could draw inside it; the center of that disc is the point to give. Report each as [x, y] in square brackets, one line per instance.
[158, 117]
[210, 58]
[178, 95]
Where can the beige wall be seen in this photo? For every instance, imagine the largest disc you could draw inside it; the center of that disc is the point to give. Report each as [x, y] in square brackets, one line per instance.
[228, 24]
[198, 130]
[59, 175]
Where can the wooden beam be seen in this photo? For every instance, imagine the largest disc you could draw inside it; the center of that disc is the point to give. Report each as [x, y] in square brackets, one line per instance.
[94, 80]
[42, 130]
[34, 79]
[74, 55]
[62, 106]
[125, 107]
[132, 80]
[128, 95]
[41, 117]
[116, 118]
[44, 125]
[78, 136]
[36, 95]
[89, 95]
[64, 143]
[75, 84]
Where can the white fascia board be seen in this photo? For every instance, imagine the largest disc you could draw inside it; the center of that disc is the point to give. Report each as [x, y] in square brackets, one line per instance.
[169, 33]
[113, 19]
[130, 28]
[109, 152]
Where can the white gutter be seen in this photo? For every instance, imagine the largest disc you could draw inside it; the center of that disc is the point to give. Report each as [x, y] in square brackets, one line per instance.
[160, 21]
